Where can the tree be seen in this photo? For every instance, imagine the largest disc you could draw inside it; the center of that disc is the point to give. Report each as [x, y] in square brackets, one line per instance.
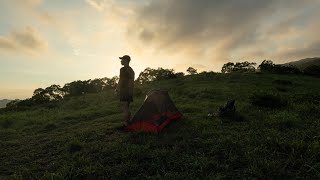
[95, 86]
[55, 92]
[192, 70]
[75, 88]
[266, 66]
[244, 67]
[110, 83]
[239, 67]
[12, 104]
[146, 75]
[227, 68]
[149, 75]
[51, 93]
[162, 74]
[179, 74]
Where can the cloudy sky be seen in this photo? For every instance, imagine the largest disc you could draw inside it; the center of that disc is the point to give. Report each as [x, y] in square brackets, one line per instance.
[44, 42]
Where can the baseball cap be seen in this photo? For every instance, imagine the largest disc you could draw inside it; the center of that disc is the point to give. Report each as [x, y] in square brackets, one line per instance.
[125, 57]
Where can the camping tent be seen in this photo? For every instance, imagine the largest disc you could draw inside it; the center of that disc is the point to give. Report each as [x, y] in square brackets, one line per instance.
[156, 112]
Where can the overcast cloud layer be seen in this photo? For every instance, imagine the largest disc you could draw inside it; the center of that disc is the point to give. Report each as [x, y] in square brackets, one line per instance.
[44, 42]
[217, 30]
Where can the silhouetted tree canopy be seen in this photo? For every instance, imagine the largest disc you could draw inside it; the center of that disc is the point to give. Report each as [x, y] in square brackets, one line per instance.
[239, 67]
[192, 70]
[12, 104]
[75, 88]
[51, 93]
[269, 66]
[266, 66]
[150, 74]
[180, 74]
[110, 82]
[227, 68]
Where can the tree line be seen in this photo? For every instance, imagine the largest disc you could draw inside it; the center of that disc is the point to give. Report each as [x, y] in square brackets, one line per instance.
[267, 66]
[56, 93]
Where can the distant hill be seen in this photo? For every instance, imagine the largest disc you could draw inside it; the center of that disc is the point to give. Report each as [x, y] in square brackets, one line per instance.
[303, 63]
[4, 102]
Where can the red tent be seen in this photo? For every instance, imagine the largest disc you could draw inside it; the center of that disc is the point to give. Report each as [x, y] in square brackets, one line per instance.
[156, 112]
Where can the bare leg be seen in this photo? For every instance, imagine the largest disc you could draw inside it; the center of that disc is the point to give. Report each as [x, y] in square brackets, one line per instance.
[126, 111]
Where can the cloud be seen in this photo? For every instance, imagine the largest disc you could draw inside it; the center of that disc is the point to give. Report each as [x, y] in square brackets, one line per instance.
[99, 5]
[214, 30]
[311, 49]
[33, 3]
[27, 40]
[26, 8]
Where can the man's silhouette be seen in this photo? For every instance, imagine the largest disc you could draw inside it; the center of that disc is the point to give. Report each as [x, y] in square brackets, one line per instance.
[125, 87]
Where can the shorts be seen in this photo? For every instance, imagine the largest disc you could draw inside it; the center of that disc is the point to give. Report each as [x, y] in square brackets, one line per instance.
[126, 98]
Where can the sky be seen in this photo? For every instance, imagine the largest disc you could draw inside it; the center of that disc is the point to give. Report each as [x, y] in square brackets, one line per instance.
[45, 42]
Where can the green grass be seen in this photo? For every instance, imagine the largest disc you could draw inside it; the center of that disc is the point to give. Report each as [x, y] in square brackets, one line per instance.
[78, 138]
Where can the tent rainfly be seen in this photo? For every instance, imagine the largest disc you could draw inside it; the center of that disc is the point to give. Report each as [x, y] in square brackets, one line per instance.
[156, 112]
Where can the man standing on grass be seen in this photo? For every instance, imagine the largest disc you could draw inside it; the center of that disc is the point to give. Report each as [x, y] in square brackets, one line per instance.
[125, 87]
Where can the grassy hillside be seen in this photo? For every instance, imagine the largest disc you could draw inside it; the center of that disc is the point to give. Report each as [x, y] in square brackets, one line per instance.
[303, 63]
[79, 137]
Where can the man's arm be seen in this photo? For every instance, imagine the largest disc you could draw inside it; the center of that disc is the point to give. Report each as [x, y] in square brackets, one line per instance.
[119, 82]
[118, 85]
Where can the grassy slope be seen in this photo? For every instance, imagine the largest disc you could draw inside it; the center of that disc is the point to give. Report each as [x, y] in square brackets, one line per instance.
[78, 138]
[303, 63]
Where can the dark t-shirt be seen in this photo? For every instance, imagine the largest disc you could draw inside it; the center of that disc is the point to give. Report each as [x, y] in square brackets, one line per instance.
[126, 82]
